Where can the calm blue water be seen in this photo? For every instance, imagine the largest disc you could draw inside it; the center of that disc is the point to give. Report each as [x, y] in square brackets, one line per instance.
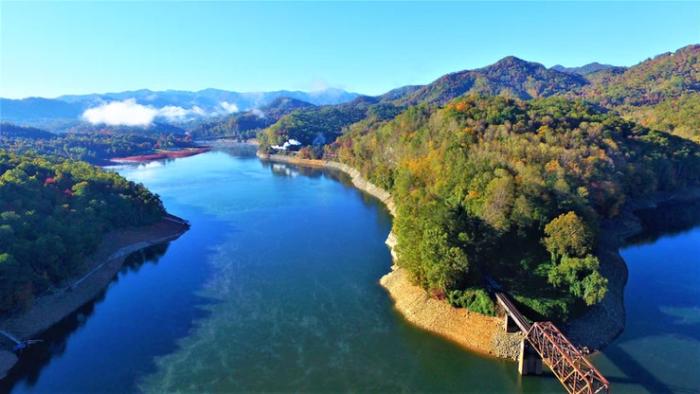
[659, 350]
[275, 288]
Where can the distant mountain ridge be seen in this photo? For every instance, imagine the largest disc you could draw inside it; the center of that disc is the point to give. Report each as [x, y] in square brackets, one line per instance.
[587, 68]
[10, 130]
[243, 125]
[509, 76]
[663, 93]
[65, 111]
[668, 75]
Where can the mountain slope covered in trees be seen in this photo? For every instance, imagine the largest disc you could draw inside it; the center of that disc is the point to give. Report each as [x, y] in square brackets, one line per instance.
[514, 190]
[650, 82]
[53, 213]
[97, 147]
[321, 125]
[662, 93]
[245, 125]
[509, 76]
[587, 69]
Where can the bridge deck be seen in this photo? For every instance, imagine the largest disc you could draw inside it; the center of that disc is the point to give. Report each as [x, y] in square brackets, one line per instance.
[520, 320]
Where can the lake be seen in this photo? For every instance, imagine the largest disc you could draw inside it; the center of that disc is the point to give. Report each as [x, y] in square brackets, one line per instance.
[275, 288]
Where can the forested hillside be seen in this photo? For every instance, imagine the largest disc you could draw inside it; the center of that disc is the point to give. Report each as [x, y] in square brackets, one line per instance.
[322, 125]
[588, 69]
[662, 93]
[509, 76]
[53, 213]
[652, 81]
[512, 189]
[246, 125]
[8, 130]
[96, 147]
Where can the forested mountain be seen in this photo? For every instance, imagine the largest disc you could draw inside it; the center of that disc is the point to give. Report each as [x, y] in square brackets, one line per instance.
[669, 75]
[321, 125]
[208, 98]
[97, 146]
[509, 76]
[399, 93]
[677, 115]
[53, 213]
[589, 68]
[662, 93]
[8, 130]
[488, 185]
[34, 110]
[245, 125]
[154, 129]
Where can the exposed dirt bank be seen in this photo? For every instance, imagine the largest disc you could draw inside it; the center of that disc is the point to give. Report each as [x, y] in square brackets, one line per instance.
[163, 154]
[50, 308]
[476, 332]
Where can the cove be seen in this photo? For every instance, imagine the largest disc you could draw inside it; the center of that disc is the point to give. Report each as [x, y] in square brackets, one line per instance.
[275, 288]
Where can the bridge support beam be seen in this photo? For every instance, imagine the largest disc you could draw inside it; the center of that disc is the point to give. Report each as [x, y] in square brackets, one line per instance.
[509, 324]
[529, 362]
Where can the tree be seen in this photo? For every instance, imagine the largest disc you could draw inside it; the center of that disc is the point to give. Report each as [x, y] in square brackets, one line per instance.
[581, 276]
[568, 235]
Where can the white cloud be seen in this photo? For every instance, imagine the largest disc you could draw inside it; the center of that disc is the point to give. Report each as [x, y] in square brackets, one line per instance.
[229, 107]
[127, 112]
[258, 113]
[131, 113]
[173, 113]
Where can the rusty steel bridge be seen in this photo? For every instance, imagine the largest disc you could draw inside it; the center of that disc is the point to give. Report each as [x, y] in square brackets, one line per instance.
[544, 342]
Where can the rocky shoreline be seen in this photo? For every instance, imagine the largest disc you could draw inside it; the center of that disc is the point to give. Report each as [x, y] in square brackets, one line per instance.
[48, 309]
[597, 327]
[603, 322]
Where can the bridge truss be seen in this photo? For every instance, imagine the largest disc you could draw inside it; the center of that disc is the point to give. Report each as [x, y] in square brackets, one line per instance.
[569, 365]
[574, 371]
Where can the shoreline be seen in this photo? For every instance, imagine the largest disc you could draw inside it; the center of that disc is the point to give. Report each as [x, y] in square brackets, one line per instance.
[595, 329]
[472, 331]
[160, 155]
[604, 322]
[52, 307]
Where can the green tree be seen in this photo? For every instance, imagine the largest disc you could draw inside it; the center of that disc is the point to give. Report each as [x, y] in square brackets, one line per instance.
[568, 235]
[581, 276]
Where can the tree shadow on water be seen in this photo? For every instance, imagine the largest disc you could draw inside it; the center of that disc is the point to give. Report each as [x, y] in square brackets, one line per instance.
[55, 340]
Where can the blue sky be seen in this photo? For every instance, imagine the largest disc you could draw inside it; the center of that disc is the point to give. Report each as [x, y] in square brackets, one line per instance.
[49, 49]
